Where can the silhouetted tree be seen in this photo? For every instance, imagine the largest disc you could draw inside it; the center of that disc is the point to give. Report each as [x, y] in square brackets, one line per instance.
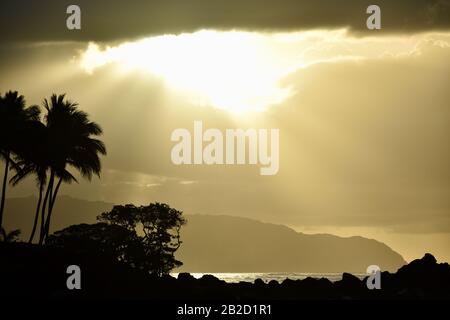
[160, 225]
[14, 117]
[117, 235]
[71, 144]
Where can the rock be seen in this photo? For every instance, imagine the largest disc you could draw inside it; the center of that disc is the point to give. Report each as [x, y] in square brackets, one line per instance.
[210, 280]
[425, 274]
[348, 278]
[273, 283]
[288, 282]
[185, 276]
[350, 286]
[259, 282]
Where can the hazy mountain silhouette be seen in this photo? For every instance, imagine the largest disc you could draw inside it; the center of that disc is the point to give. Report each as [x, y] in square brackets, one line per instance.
[67, 211]
[213, 243]
[235, 244]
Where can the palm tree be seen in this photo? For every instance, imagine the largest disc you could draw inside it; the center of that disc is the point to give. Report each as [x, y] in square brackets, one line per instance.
[14, 116]
[33, 159]
[71, 145]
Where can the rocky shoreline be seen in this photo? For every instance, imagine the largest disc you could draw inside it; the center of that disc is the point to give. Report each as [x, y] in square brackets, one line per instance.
[32, 271]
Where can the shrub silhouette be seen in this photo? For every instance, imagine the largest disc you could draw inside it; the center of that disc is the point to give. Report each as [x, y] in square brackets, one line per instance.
[111, 240]
[144, 237]
[11, 236]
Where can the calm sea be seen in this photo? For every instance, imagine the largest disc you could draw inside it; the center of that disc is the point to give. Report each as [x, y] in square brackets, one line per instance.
[266, 277]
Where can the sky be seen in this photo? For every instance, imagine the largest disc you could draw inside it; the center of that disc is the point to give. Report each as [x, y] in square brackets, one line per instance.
[363, 115]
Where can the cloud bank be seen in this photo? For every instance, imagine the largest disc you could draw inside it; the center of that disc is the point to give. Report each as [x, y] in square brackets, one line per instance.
[106, 20]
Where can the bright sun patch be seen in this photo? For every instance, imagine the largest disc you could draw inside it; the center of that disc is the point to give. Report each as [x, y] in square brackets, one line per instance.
[228, 70]
[236, 71]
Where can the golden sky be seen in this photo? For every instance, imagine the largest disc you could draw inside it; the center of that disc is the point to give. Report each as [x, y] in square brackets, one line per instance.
[363, 116]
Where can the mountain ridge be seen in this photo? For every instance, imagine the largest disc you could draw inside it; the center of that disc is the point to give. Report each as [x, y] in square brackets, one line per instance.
[210, 241]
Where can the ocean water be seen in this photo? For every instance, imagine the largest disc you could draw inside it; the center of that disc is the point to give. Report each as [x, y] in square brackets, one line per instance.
[266, 277]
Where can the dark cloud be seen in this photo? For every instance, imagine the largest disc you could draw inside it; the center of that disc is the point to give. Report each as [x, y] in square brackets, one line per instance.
[106, 20]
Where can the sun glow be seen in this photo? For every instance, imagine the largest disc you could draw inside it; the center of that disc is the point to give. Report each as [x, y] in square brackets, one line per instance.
[228, 70]
[234, 70]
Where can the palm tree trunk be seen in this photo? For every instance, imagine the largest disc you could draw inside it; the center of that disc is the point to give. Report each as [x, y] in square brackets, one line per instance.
[36, 216]
[50, 208]
[5, 179]
[44, 207]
